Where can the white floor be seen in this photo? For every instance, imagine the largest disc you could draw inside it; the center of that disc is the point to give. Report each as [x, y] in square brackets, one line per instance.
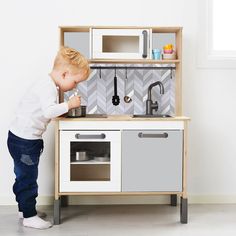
[122, 220]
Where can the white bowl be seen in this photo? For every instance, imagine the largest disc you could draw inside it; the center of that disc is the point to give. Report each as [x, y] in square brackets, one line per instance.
[102, 159]
[169, 56]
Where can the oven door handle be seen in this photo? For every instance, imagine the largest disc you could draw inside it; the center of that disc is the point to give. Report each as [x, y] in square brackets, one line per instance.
[90, 136]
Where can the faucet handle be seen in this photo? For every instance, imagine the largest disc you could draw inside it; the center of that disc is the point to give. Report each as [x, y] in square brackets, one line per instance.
[155, 106]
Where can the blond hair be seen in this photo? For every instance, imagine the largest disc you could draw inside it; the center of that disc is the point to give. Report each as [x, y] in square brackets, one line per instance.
[70, 57]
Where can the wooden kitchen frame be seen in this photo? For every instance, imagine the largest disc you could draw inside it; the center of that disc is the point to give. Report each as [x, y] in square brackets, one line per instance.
[61, 197]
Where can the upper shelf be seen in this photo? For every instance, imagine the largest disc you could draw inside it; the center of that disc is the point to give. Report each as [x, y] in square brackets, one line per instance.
[122, 44]
[137, 61]
[155, 29]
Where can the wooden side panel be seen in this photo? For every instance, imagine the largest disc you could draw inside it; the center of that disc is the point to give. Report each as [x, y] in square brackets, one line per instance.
[185, 159]
[178, 82]
[57, 143]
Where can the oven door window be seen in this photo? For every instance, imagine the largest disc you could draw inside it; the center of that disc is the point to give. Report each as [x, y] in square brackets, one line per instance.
[90, 161]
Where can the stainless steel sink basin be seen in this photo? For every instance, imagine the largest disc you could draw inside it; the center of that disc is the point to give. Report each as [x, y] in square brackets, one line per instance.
[150, 116]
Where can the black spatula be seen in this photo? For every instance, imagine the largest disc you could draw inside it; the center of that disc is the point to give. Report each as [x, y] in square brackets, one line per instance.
[115, 98]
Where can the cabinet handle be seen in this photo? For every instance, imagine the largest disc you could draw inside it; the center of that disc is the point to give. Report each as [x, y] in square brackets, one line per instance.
[142, 135]
[145, 43]
[90, 136]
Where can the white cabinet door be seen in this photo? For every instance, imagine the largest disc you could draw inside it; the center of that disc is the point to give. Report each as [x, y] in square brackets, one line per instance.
[121, 43]
[91, 175]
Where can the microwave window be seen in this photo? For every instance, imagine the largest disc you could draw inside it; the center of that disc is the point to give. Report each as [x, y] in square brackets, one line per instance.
[120, 44]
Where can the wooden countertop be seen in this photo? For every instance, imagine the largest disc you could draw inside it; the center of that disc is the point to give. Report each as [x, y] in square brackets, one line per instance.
[123, 118]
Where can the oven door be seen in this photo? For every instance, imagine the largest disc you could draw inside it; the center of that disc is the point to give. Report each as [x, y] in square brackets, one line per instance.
[121, 43]
[90, 161]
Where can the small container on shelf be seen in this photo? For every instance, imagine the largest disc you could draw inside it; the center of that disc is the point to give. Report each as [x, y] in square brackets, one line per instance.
[169, 56]
[169, 52]
[81, 156]
[156, 54]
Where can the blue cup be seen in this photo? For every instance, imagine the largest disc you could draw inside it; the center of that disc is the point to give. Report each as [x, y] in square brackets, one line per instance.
[156, 54]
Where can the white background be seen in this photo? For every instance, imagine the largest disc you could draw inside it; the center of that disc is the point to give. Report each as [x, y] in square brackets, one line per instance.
[29, 40]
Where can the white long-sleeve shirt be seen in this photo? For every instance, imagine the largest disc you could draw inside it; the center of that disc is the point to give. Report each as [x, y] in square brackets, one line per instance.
[37, 107]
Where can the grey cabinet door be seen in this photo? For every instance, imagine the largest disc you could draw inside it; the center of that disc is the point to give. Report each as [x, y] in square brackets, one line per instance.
[152, 160]
[78, 41]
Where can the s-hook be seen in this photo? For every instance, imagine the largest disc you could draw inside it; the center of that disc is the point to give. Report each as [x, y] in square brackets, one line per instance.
[127, 99]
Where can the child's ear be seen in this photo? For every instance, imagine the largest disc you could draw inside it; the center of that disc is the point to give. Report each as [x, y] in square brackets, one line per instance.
[64, 74]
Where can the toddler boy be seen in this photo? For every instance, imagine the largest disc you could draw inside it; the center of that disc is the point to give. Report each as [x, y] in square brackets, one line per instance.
[36, 109]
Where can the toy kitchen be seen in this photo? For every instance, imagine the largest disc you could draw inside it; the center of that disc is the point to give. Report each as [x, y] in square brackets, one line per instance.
[131, 138]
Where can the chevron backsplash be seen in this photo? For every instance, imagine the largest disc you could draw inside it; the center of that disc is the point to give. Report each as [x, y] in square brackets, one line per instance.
[97, 92]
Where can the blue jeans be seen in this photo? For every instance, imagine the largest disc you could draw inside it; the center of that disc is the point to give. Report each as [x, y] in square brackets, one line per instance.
[25, 154]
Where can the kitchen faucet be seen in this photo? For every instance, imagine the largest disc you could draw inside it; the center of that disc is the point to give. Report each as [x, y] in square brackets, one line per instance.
[150, 105]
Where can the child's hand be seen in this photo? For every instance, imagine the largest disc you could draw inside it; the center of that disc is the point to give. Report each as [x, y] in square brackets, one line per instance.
[74, 102]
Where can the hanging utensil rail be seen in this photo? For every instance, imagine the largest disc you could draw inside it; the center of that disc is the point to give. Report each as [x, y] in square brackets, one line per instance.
[133, 68]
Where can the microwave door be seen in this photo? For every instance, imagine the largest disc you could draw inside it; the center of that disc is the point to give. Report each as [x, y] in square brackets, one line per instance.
[120, 44]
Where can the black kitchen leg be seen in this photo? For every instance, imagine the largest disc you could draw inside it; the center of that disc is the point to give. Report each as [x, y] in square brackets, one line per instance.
[57, 211]
[173, 199]
[64, 201]
[183, 210]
